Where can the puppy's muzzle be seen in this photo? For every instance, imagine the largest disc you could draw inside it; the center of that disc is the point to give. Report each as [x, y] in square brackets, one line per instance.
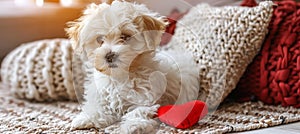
[111, 57]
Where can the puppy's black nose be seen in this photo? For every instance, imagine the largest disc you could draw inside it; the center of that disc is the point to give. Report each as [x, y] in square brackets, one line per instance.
[111, 57]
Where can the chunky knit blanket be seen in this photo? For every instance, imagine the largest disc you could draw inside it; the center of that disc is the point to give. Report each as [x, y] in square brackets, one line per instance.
[20, 116]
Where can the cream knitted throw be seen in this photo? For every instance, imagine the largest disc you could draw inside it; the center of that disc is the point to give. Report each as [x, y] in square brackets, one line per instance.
[23, 117]
[223, 40]
[40, 71]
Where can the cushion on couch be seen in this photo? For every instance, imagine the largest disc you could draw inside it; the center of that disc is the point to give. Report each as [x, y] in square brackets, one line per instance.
[41, 71]
[223, 41]
[274, 75]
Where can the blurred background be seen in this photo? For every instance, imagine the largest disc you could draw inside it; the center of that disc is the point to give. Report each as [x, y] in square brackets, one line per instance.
[29, 20]
[24, 21]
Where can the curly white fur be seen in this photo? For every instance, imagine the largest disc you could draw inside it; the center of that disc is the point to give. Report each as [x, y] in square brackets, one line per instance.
[128, 79]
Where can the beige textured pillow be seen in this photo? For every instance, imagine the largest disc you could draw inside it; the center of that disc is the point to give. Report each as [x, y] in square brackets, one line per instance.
[223, 41]
[40, 71]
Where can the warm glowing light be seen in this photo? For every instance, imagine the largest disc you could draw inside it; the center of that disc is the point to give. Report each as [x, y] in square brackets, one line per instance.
[39, 3]
[66, 2]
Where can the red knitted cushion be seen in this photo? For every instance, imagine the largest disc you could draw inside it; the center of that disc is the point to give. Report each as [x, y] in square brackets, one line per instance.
[172, 19]
[274, 75]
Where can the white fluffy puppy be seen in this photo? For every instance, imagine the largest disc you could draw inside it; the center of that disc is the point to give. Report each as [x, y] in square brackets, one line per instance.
[128, 79]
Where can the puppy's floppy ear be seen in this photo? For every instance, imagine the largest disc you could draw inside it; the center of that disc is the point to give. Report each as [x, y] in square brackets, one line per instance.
[74, 27]
[91, 8]
[108, 1]
[146, 23]
[73, 30]
[151, 28]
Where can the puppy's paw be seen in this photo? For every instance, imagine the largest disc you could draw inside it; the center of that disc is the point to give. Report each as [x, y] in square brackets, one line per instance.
[143, 127]
[131, 130]
[81, 122]
[113, 129]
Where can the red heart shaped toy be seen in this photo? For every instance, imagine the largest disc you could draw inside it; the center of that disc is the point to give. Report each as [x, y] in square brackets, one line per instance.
[182, 116]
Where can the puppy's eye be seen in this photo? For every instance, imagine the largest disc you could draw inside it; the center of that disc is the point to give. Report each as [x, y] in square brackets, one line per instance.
[125, 37]
[100, 39]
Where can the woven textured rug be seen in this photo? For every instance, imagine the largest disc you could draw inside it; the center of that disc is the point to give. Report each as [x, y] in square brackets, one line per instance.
[19, 116]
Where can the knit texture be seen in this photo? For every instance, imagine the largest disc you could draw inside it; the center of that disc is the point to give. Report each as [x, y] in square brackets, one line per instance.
[273, 77]
[19, 116]
[223, 40]
[40, 71]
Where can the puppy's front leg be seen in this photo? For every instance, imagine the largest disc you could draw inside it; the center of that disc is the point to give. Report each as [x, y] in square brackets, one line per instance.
[140, 120]
[82, 121]
[93, 113]
[93, 119]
